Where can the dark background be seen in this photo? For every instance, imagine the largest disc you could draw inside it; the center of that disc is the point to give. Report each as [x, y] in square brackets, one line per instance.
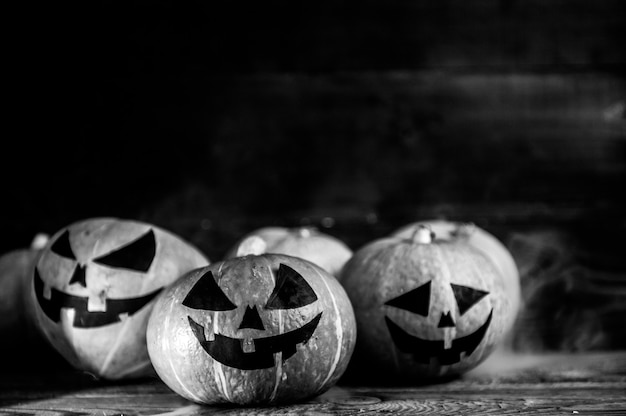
[211, 119]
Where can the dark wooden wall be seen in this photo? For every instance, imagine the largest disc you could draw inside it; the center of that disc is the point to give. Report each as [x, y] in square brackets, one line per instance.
[214, 118]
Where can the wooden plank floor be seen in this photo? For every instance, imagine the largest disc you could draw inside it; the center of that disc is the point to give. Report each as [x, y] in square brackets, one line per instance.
[558, 384]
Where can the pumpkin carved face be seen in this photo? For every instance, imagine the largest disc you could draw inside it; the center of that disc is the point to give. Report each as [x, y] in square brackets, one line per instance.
[291, 291]
[265, 328]
[425, 308]
[442, 351]
[94, 285]
[97, 309]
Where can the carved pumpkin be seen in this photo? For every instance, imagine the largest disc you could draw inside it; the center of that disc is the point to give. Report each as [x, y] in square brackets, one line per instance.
[93, 288]
[426, 308]
[308, 243]
[482, 240]
[265, 328]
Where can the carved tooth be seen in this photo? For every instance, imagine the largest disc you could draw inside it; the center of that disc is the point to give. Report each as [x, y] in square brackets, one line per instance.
[123, 316]
[448, 337]
[247, 344]
[67, 318]
[96, 304]
[47, 291]
[208, 334]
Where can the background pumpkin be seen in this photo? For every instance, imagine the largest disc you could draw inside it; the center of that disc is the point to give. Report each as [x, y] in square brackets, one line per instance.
[93, 287]
[16, 330]
[266, 328]
[426, 309]
[308, 243]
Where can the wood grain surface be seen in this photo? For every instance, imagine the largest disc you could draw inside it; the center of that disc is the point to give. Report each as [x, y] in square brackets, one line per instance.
[557, 384]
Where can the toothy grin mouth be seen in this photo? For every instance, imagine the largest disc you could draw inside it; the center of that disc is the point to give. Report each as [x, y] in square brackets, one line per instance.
[423, 350]
[253, 354]
[52, 301]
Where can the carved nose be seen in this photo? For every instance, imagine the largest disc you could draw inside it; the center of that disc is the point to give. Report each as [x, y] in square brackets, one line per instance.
[446, 321]
[252, 319]
[79, 276]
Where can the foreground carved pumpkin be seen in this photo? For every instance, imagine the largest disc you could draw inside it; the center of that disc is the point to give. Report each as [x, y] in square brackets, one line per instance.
[482, 240]
[425, 308]
[94, 286]
[308, 243]
[265, 328]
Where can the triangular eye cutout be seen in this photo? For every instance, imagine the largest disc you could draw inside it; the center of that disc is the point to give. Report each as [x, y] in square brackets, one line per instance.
[208, 296]
[137, 255]
[291, 290]
[416, 301]
[62, 246]
[466, 297]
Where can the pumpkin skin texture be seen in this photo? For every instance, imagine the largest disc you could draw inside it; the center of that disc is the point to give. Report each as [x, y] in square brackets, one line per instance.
[426, 310]
[308, 243]
[482, 240]
[255, 329]
[94, 286]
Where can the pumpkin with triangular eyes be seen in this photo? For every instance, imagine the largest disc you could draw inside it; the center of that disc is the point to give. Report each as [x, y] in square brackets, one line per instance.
[94, 285]
[254, 329]
[426, 308]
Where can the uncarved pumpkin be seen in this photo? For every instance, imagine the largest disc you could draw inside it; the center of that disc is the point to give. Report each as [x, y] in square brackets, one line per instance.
[426, 308]
[255, 329]
[93, 288]
[308, 243]
[16, 268]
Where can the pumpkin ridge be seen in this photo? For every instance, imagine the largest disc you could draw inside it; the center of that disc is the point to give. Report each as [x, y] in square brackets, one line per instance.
[219, 369]
[71, 339]
[113, 350]
[338, 330]
[166, 340]
[281, 328]
[279, 365]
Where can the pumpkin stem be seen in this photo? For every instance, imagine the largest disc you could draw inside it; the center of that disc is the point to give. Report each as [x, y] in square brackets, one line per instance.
[253, 245]
[305, 232]
[423, 234]
[39, 241]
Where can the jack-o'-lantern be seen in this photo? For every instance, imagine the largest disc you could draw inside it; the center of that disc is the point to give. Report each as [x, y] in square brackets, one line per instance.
[93, 288]
[308, 243]
[426, 308]
[255, 329]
